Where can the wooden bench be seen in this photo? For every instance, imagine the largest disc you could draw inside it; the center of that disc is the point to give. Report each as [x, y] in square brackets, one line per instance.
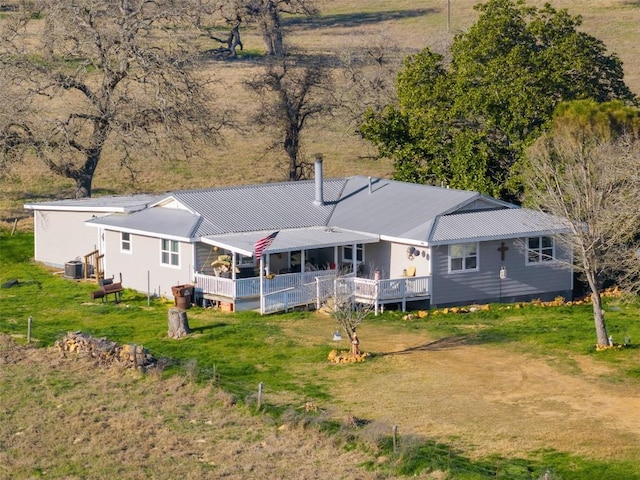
[107, 286]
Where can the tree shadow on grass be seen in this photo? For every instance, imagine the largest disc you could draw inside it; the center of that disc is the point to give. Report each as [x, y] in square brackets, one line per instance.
[448, 343]
[419, 455]
[212, 326]
[351, 20]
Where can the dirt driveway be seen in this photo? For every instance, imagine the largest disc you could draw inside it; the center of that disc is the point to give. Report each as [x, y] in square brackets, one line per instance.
[486, 399]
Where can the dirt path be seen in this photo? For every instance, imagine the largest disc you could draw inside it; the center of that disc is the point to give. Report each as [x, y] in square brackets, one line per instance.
[490, 401]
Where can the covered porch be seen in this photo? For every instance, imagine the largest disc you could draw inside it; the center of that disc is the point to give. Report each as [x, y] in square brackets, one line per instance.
[288, 291]
[301, 267]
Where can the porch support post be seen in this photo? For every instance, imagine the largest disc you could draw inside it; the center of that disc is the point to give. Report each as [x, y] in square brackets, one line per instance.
[376, 292]
[262, 285]
[335, 256]
[354, 259]
[303, 260]
[404, 295]
[234, 259]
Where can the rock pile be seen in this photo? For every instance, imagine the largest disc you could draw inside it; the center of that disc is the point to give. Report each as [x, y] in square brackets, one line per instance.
[104, 351]
[336, 356]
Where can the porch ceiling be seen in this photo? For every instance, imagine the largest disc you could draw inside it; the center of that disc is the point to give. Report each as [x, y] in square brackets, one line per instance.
[290, 240]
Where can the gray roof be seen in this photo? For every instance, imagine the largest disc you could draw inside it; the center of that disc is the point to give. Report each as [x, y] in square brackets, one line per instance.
[395, 209]
[355, 210]
[169, 222]
[494, 224]
[271, 206]
[114, 204]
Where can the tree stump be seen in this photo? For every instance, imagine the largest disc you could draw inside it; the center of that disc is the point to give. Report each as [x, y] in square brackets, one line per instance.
[178, 324]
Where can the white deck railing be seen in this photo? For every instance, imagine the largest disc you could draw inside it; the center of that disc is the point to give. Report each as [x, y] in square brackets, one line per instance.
[250, 287]
[290, 290]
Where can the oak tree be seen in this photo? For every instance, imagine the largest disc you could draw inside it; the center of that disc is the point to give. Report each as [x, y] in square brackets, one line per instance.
[266, 15]
[291, 94]
[587, 170]
[465, 123]
[95, 75]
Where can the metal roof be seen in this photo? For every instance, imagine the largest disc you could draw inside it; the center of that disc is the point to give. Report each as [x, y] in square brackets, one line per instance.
[357, 209]
[122, 204]
[486, 225]
[170, 223]
[271, 206]
[395, 209]
[290, 239]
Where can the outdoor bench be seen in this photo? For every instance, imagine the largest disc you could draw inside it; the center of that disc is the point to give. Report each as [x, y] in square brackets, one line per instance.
[107, 286]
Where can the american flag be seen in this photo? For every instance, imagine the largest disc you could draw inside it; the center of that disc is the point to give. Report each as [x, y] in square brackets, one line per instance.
[263, 244]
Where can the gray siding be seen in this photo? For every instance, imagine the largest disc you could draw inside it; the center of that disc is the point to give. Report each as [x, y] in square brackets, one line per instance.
[63, 236]
[523, 282]
[144, 263]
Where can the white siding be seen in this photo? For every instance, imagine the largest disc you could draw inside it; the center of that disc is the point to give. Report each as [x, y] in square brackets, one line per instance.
[63, 236]
[400, 260]
[144, 262]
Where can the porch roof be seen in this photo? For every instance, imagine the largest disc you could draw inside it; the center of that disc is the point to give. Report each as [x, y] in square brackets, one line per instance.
[290, 239]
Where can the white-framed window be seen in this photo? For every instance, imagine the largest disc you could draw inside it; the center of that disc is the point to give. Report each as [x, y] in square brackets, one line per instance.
[242, 260]
[347, 253]
[540, 249]
[125, 242]
[170, 253]
[463, 257]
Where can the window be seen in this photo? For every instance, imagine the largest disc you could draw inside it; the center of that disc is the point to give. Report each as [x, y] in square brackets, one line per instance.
[540, 249]
[242, 260]
[170, 253]
[125, 242]
[347, 253]
[463, 257]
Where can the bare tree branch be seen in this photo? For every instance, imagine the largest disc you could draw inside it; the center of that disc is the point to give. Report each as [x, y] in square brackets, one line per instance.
[593, 180]
[94, 74]
[291, 95]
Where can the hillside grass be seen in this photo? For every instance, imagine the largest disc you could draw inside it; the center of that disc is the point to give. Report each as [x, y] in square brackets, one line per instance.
[288, 354]
[342, 26]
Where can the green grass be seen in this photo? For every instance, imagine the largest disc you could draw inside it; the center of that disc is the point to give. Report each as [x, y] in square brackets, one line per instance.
[244, 349]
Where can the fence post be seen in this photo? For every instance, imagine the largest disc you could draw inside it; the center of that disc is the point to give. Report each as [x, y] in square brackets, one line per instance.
[395, 439]
[260, 386]
[29, 322]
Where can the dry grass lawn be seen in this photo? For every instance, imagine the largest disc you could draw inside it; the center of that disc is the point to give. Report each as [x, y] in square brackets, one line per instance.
[66, 418]
[81, 421]
[485, 399]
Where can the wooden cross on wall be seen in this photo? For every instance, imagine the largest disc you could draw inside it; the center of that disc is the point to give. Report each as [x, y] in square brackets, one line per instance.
[502, 249]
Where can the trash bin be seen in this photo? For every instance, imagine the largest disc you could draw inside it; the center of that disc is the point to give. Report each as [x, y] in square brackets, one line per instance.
[73, 269]
[182, 296]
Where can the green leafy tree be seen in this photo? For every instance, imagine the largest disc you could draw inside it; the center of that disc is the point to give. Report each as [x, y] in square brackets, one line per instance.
[586, 169]
[466, 123]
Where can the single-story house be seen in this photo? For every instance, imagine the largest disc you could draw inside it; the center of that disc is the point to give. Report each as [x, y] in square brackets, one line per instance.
[386, 241]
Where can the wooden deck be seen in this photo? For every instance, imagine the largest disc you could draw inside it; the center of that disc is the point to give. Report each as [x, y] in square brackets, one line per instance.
[287, 291]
